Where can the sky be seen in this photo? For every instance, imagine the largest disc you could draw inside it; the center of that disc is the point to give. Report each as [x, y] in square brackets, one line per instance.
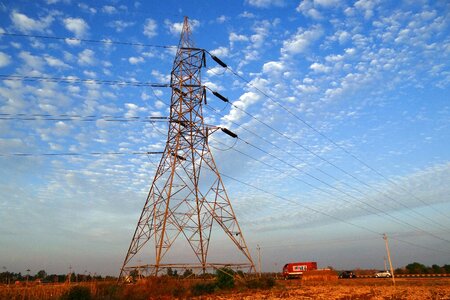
[342, 109]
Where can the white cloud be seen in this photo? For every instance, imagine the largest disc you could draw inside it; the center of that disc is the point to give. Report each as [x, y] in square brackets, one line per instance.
[135, 60]
[316, 67]
[86, 57]
[120, 25]
[55, 62]
[217, 70]
[61, 129]
[234, 37]
[367, 7]
[76, 25]
[150, 28]
[72, 42]
[159, 104]
[5, 59]
[247, 99]
[87, 8]
[108, 9]
[26, 24]
[220, 52]
[221, 19]
[261, 32]
[162, 78]
[175, 28]
[144, 96]
[327, 3]
[301, 40]
[133, 110]
[273, 67]
[265, 3]
[212, 86]
[90, 74]
[306, 7]
[35, 62]
[247, 15]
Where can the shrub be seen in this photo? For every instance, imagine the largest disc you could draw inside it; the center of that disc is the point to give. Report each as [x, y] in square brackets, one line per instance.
[203, 288]
[77, 293]
[225, 278]
[260, 283]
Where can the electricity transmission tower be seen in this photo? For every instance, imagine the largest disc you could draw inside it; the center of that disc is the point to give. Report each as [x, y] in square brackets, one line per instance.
[187, 196]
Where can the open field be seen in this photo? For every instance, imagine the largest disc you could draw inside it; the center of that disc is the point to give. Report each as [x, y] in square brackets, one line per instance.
[354, 289]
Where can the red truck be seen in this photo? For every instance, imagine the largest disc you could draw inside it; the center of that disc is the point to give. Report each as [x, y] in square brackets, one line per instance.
[296, 269]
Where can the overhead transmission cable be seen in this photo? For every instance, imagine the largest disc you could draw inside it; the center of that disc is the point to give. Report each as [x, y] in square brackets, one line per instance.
[396, 219]
[323, 213]
[433, 222]
[221, 97]
[71, 79]
[274, 101]
[73, 39]
[81, 154]
[310, 151]
[69, 117]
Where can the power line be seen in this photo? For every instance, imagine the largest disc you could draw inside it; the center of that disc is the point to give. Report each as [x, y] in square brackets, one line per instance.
[396, 219]
[330, 163]
[323, 213]
[80, 154]
[434, 222]
[324, 136]
[66, 117]
[80, 80]
[104, 41]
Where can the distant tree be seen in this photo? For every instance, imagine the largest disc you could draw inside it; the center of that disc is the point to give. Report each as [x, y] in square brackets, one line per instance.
[446, 269]
[187, 273]
[416, 268]
[172, 273]
[436, 269]
[400, 271]
[41, 274]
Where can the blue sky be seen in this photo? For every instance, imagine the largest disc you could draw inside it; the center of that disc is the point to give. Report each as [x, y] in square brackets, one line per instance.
[354, 127]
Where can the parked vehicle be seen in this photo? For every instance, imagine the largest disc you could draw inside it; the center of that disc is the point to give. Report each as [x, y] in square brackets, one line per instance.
[296, 269]
[383, 274]
[347, 274]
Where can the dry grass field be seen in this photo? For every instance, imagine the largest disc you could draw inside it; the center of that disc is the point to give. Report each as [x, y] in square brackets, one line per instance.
[355, 289]
[351, 289]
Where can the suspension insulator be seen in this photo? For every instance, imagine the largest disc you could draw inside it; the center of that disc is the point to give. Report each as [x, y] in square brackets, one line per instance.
[230, 133]
[178, 156]
[220, 97]
[179, 91]
[204, 96]
[204, 59]
[217, 60]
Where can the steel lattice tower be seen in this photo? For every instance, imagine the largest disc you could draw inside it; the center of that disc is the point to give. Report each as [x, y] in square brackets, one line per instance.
[187, 195]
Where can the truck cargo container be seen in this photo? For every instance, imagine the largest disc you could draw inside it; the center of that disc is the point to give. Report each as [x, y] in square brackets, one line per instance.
[296, 269]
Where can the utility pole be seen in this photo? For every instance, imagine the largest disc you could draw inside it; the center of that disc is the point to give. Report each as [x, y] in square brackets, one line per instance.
[259, 259]
[389, 257]
[385, 266]
[187, 196]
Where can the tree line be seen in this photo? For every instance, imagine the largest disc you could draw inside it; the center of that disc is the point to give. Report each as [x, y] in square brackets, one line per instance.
[42, 276]
[418, 268]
